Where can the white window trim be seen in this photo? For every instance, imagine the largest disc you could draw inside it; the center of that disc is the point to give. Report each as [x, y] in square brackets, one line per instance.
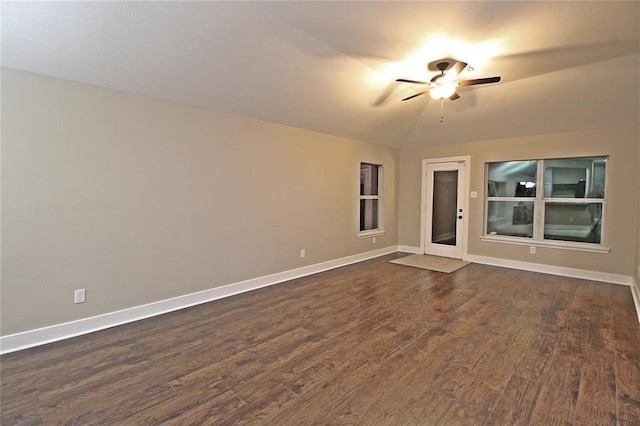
[540, 202]
[562, 245]
[370, 233]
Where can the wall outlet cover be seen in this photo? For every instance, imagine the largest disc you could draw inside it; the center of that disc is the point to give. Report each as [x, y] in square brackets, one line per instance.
[79, 296]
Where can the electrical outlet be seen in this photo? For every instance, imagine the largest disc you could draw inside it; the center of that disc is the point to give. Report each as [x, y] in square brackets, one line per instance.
[303, 253]
[532, 249]
[79, 296]
[373, 240]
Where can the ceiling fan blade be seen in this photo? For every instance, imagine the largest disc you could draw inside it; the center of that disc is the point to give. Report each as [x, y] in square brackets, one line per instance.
[458, 67]
[528, 64]
[476, 81]
[404, 80]
[413, 96]
[454, 96]
[384, 96]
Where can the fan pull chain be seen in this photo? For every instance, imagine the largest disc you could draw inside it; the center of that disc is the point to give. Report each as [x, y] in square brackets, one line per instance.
[442, 110]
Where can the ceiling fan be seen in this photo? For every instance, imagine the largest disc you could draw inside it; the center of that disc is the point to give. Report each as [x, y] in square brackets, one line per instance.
[444, 85]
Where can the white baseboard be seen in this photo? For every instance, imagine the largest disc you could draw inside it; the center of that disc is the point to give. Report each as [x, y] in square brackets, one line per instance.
[553, 270]
[54, 333]
[410, 249]
[538, 267]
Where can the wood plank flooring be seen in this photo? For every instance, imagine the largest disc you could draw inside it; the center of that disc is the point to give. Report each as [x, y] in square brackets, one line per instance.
[371, 343]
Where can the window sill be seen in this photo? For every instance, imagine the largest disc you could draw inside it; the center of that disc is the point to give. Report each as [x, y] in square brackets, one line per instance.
[371, 233]
[561, 245]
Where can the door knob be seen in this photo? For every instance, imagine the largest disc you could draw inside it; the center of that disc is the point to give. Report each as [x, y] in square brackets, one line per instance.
[460, 217]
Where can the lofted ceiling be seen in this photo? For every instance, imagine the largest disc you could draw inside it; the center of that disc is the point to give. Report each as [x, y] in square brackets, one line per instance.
[331, 66]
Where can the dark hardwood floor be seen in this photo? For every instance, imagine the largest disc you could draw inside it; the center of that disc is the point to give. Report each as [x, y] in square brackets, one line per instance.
[371, 343]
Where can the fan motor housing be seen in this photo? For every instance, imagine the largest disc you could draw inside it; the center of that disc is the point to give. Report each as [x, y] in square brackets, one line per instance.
[436, 65]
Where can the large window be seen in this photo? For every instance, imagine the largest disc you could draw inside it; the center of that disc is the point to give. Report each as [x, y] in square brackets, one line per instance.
[559, 200]
[370, 199]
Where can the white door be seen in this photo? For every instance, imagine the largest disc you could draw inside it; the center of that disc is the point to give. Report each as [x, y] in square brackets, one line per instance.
[444, 209]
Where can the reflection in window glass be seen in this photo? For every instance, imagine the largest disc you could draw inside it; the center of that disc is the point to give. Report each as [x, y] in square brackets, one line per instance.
[573, 222]
[513, 218]
[575, 177]
[368, 214]
[444, 207]
[512, 179]
[571, 199]
[368, 179]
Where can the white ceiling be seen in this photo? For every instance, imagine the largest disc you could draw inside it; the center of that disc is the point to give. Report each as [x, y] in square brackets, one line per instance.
[331, 66]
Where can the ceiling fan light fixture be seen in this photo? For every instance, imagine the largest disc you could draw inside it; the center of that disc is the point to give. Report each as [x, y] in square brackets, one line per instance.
[443, 90]
[443, 86]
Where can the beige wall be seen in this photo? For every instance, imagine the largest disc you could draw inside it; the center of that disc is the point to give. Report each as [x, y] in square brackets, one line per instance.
[621, 144]
[139, 200]
[637, 265]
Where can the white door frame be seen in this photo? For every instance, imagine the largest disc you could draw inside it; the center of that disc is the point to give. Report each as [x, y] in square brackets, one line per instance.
[466, 161]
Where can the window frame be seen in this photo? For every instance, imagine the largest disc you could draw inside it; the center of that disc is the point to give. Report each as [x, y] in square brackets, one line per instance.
[540, 203]
[379, 168]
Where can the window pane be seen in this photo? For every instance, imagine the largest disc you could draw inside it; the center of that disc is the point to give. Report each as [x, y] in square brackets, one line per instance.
[512, 179]
[445, 207]
[368, 179]
[514, 218]
[368, 214]
[575, 177]
[573, 222]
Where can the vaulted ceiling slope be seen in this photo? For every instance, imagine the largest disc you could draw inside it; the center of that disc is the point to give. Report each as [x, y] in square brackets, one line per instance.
[331, 66]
